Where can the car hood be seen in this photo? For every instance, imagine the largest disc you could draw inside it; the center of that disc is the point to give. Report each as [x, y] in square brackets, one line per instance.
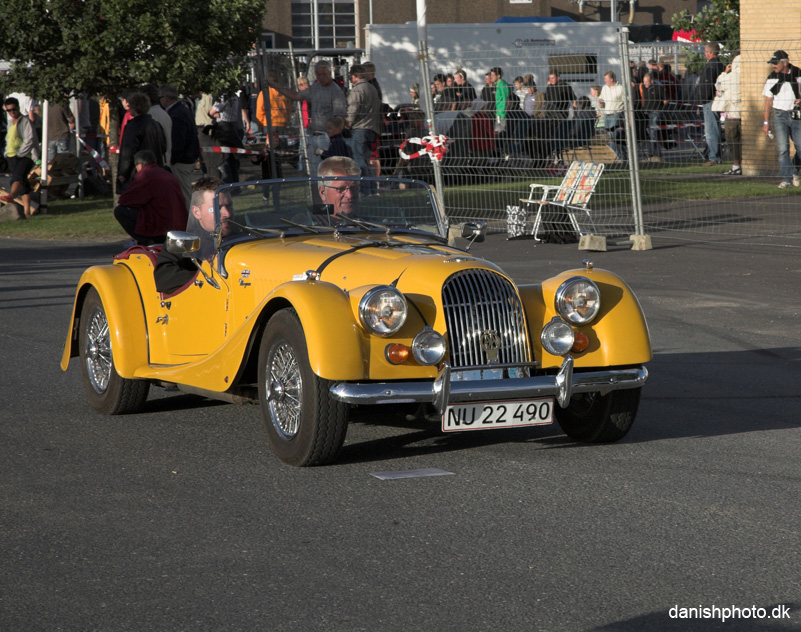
[416, 265]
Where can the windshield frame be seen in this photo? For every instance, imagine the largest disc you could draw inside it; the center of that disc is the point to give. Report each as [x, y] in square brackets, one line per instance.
[223, 244]
[442, 223]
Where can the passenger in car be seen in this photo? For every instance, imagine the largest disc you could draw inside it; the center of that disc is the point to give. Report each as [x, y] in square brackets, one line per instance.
[173, 271]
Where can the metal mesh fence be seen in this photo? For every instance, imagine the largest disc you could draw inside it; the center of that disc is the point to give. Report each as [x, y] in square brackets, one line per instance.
[696, 191]
[495, 153]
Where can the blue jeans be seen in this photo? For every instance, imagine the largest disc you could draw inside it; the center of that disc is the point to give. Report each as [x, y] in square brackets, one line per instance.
[361, 146]
[785, 126]
[712, 131]
[613, 123]
[59, 146]
[654, 119]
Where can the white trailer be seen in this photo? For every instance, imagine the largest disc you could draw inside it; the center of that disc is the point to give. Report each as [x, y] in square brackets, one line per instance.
[581, 51]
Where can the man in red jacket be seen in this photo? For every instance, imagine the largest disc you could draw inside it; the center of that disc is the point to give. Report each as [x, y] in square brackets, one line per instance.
[153, 203]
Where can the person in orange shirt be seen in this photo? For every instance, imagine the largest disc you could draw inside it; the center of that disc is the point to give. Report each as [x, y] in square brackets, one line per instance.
[280, 108]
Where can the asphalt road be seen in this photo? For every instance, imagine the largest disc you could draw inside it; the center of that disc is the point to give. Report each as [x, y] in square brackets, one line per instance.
[180, 518]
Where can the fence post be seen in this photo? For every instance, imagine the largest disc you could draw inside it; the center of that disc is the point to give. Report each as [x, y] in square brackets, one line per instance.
[640, 241]
[425, 88]
[45, 158]
[303, 156]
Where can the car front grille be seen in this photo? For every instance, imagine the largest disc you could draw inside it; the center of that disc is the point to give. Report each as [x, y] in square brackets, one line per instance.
[485, 320]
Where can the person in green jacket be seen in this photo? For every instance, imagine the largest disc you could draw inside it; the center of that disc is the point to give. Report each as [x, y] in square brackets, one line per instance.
[505, 100]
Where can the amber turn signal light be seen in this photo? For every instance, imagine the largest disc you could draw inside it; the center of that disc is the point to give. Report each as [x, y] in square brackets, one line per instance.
[397, 353]
[580, 343]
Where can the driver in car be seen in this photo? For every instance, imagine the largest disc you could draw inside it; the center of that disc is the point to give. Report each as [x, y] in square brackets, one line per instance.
[173, 271]
[339, 197]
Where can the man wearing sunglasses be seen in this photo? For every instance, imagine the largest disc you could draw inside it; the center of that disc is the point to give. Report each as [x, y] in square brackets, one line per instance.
[339, 197]
[782, 94]
[22, 149]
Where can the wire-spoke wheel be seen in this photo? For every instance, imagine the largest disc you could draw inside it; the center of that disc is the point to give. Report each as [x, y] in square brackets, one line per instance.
[107, 391]
[284, 391]
[304, 424]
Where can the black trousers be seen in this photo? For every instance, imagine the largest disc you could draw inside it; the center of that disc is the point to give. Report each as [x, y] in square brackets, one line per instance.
[126, 216]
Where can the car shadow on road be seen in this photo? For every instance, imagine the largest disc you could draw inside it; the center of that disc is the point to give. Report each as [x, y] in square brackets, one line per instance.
[687, 395]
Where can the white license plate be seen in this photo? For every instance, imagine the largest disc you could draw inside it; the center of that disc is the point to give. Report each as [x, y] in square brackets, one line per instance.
[492, 415]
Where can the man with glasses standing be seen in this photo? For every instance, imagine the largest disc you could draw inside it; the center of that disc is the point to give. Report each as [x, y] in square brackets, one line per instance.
[22, 149]
[783, 97]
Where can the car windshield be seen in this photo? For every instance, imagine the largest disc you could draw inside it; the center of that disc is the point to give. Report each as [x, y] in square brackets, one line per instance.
[318, 205]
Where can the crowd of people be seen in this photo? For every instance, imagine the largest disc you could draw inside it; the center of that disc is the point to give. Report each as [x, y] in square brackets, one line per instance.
[164, 137]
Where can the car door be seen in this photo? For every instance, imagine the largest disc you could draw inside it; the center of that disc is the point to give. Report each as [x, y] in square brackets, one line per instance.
[192, 323]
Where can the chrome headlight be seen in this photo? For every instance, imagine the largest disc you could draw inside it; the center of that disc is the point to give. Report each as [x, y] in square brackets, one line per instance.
[557, 337]
[578, 300]
[428, 347]
[382, 310]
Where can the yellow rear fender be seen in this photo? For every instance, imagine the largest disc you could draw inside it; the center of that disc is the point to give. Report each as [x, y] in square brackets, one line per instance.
[335, 341]
[123, 305]
[617, 336]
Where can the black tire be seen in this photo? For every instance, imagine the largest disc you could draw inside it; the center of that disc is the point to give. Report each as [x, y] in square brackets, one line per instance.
[305, 425]
[107, 391]
[596, 418]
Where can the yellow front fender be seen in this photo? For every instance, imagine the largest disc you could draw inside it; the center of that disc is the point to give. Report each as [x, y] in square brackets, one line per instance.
[126, 319]
[618, 335]
[334, 339]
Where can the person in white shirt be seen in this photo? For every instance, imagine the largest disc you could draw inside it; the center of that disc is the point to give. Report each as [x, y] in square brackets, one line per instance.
[612, 104]
[782, 94]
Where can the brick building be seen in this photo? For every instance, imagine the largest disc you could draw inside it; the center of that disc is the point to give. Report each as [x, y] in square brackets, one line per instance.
[761, 33]
[340, 22]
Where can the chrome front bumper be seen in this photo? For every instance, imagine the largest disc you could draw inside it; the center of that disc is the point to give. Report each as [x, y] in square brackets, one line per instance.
[443, 391]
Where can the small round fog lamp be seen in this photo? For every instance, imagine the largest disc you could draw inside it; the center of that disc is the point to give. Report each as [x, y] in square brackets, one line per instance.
[428, 347]
[557, 337]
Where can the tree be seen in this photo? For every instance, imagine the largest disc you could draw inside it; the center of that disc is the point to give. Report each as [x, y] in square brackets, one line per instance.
[719, 21]
[103, 47]
[61, 48]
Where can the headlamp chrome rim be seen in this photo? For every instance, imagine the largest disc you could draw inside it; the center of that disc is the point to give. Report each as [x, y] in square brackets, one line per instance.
[557, 337]
[564, 301]
[382, 324]
[429, 347]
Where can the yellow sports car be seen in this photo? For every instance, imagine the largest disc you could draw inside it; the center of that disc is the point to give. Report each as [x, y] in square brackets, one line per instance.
[314, 296]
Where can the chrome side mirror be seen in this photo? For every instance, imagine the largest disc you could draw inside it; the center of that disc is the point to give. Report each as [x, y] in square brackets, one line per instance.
[474, 232]
[180, 242]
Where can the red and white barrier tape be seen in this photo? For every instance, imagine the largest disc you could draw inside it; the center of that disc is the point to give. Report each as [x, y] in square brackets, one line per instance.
[233, 150]
[98, 158]
[217, 150]
[433, 146]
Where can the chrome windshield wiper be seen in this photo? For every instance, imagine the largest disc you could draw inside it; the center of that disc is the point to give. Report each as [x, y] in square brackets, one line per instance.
[307, 228]
[257, 232]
